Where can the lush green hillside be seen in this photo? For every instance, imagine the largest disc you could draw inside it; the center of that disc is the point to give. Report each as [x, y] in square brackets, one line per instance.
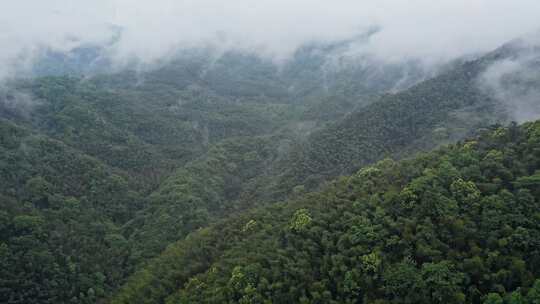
[458, 225]
[102, 173]
[146, 130]
[219, 183]
[61, 212]
[437, 111]
[79, 157]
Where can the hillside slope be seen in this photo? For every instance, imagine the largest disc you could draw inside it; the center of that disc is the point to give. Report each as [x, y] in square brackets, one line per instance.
[60, 217]
[103, 173]
[443, 109]
[451, 226]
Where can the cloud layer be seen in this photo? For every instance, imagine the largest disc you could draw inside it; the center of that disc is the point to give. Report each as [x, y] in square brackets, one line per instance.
[151, 30]
[515, 82]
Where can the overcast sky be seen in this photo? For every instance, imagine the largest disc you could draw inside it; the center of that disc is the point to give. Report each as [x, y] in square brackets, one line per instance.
[426, 29]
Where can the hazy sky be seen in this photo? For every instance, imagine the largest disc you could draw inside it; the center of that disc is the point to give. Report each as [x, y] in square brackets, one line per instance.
[427, 29]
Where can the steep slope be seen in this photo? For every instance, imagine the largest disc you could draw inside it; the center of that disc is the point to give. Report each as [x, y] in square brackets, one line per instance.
[76, 161]
[60, 212]
[205, 190]
[146, 130]
[451, 226]
[193, 198]
[206, 137]
[439, 110]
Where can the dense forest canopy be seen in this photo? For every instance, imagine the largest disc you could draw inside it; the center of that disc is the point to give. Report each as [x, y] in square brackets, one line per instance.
[457, 225]
[226, 178]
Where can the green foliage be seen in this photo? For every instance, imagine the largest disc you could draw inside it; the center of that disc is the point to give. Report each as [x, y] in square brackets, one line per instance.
[425, 230]
[442, 283]
[396, 125]
[493, 298]
[533, 296]
[300, 221]
[82, 155]
[160, 182]
[204, 190]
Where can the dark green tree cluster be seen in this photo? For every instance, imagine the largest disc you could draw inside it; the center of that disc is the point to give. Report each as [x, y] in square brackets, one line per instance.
[217, 184]
[82, 161]
[437, 111]
[60, 213]
[78, 167]
[458, 225]
[99, 174]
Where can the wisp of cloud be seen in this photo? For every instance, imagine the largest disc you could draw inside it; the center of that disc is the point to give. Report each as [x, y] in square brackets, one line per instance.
[432, 31]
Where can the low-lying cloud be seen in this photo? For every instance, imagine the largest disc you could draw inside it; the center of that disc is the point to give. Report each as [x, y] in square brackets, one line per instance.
[515, 81]
[432, 31]
[16, 104]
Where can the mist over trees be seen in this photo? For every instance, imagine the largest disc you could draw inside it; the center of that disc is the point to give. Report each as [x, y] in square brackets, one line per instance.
[212, 158]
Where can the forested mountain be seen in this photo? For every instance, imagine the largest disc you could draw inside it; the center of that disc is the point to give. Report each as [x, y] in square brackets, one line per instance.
[332, 75]
[102, 163]
[79, 158]
[222, 182]
[457, 225]
[60, 211]
[439, 110]
[169, 176]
